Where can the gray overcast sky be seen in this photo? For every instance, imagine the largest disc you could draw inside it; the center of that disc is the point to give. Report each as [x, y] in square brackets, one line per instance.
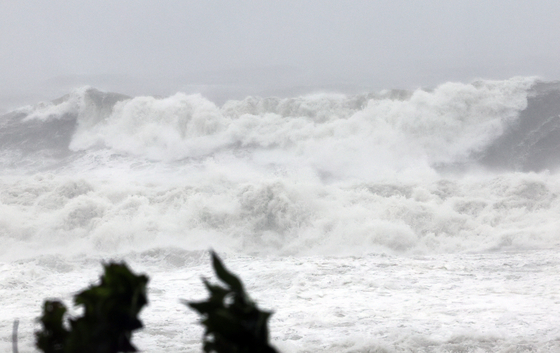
[384, 44]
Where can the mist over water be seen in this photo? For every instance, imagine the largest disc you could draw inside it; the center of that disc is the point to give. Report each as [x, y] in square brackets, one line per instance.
[409, 171]
[462, 175]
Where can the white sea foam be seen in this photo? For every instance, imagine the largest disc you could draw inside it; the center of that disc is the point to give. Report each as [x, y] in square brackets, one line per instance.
[268, 214]
[365, 221]
[440, 126]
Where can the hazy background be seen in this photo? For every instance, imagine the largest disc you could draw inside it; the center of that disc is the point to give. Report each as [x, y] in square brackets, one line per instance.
[229, 49]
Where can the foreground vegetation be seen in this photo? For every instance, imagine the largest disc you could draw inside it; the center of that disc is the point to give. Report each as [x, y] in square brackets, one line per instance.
[233, 323]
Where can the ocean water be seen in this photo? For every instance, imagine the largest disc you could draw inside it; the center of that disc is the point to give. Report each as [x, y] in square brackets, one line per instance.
[391, 221]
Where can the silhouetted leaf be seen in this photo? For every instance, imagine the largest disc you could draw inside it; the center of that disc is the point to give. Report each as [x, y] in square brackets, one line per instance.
[232, 321]
[110, 315]
[226, 276]
[53, 335]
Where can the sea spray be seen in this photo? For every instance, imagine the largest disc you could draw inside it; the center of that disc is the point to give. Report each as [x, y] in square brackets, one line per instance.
[436, 210]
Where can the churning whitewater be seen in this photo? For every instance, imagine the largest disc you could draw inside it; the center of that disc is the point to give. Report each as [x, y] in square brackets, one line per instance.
[395, 221]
